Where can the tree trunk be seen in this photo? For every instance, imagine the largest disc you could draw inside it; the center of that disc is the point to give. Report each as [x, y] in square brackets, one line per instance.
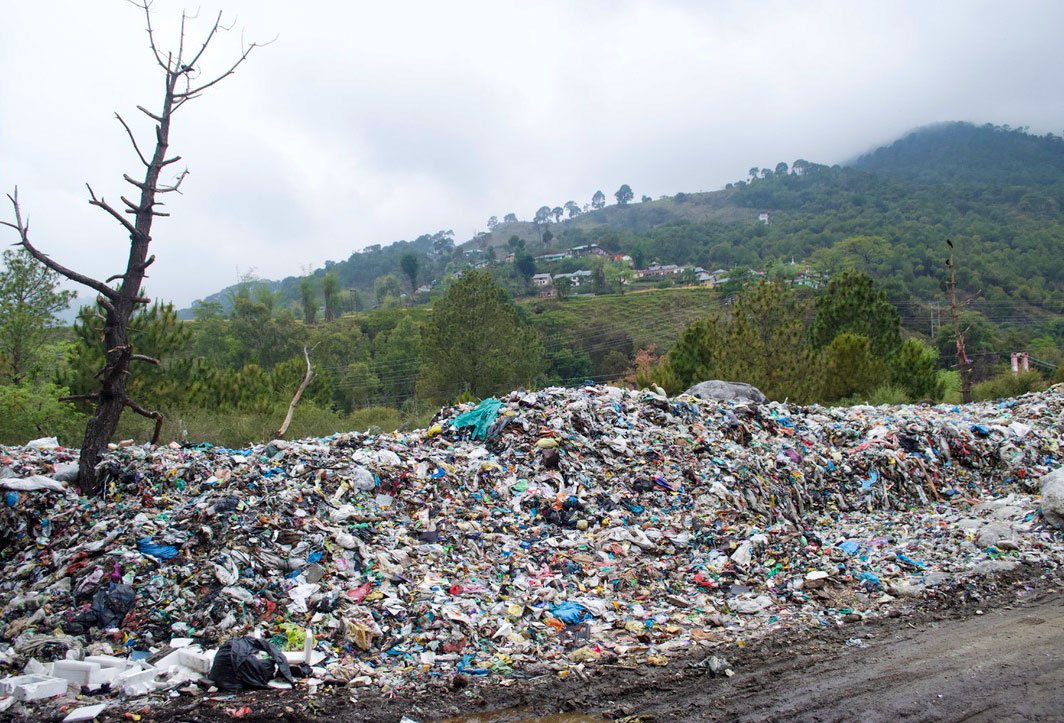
[120, 303]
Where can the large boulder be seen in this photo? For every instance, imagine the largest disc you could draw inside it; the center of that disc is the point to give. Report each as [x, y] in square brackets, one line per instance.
[1052, 486]
[717, 389]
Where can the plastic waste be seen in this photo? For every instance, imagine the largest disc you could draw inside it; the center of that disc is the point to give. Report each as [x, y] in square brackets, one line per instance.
[480, 418]
[248, 663]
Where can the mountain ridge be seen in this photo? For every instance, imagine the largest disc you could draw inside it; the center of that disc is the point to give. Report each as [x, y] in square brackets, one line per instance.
[947, 156]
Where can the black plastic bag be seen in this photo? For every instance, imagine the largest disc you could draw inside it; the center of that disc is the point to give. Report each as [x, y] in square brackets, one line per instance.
[248, 663]
[109, 608]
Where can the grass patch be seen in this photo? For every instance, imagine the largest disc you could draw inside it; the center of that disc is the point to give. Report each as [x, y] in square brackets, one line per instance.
[238, 429]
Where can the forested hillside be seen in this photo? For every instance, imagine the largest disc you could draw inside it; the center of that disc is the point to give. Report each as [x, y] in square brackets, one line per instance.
[966, 153]
[395, 330]
[998, 193]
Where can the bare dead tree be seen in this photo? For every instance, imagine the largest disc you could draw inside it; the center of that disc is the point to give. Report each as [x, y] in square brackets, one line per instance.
[184, 81]
[307, 378]
[964, 363]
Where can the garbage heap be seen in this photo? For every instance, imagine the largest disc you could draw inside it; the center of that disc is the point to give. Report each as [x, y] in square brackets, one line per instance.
[528, 535]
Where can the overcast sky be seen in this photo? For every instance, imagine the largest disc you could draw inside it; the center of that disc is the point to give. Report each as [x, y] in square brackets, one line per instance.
[369, 122]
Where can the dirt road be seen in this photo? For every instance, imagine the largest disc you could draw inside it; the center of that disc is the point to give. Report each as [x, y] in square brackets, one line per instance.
[1001, 666]
[1006, 664]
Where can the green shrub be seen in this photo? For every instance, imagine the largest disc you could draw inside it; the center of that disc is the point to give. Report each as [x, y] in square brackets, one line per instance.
[1006, 384]
[30, 412]
[950, 381]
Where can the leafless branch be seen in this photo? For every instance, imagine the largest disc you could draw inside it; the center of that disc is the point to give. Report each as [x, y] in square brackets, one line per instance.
[157, 416]
[206, 41]
[133, 140]
[145, 358]
[80, 398]
[146, 6]
[232, 69]
[176, 185]
[145, 111]
[132, 181]
[141, 300]
[133, 208]
[23, 230]
[106, 304]
[93, 201]
[168, 161]
[299, 393]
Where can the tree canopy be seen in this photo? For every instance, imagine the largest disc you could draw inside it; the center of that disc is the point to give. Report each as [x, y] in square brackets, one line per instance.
[476, 343]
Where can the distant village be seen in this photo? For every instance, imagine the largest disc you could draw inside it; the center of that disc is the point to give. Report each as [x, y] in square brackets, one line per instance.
[546, 284]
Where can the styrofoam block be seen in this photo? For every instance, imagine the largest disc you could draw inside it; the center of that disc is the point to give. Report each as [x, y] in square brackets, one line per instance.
[195, 659]
[80, 672]
[295, 657]
[137, 683]
[85, 713]
[33, 687]
[109, 661]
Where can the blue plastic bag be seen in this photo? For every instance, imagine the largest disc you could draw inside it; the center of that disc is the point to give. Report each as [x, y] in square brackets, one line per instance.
[570, 612]
[163, 552]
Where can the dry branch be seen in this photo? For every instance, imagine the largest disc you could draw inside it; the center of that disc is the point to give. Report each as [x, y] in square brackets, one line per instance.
[157, 416]
[23, 230]
[299, 393]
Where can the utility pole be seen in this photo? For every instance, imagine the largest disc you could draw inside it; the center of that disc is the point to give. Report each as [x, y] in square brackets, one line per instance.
[964, 364]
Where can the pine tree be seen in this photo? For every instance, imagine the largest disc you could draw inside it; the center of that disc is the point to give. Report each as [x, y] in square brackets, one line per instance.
[476, 343]
[853, 303]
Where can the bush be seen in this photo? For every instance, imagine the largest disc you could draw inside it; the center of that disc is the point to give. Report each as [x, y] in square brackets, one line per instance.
[914, 369]
[1007, 385]
[950, 381]
[30, 412]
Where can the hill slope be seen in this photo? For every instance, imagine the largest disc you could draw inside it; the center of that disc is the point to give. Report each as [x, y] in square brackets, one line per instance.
[965, 153]
[997, 192]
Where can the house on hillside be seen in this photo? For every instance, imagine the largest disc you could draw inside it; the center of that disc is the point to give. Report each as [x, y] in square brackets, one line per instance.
[541, 280]
[547, 258]
[659, 271]
[763, 217]
[588, 250]
[576, 278]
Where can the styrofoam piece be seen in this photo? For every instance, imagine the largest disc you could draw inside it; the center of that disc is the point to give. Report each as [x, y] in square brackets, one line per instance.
[296, 657]
[109, 661]
[33, 687]
[132, 684]
[36, 667]
[180, 642]
[197, 660]
[82, 673]
[88, 712]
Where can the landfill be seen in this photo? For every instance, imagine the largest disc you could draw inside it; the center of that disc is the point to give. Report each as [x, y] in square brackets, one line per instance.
[535, 534]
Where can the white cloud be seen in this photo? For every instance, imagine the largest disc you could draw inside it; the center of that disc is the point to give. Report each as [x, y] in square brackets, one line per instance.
[366, 123]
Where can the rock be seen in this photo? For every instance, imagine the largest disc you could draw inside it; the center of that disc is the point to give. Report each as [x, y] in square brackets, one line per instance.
[747, 606]
[905, 588]
[990, 567]
[717, 389]
[991, 533]
[815, 579]
[1052, 506]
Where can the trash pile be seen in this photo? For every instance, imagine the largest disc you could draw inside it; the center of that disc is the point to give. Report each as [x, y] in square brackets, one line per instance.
[534, 534]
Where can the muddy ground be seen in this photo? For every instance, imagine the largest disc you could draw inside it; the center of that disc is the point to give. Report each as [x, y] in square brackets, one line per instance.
[990, 652]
